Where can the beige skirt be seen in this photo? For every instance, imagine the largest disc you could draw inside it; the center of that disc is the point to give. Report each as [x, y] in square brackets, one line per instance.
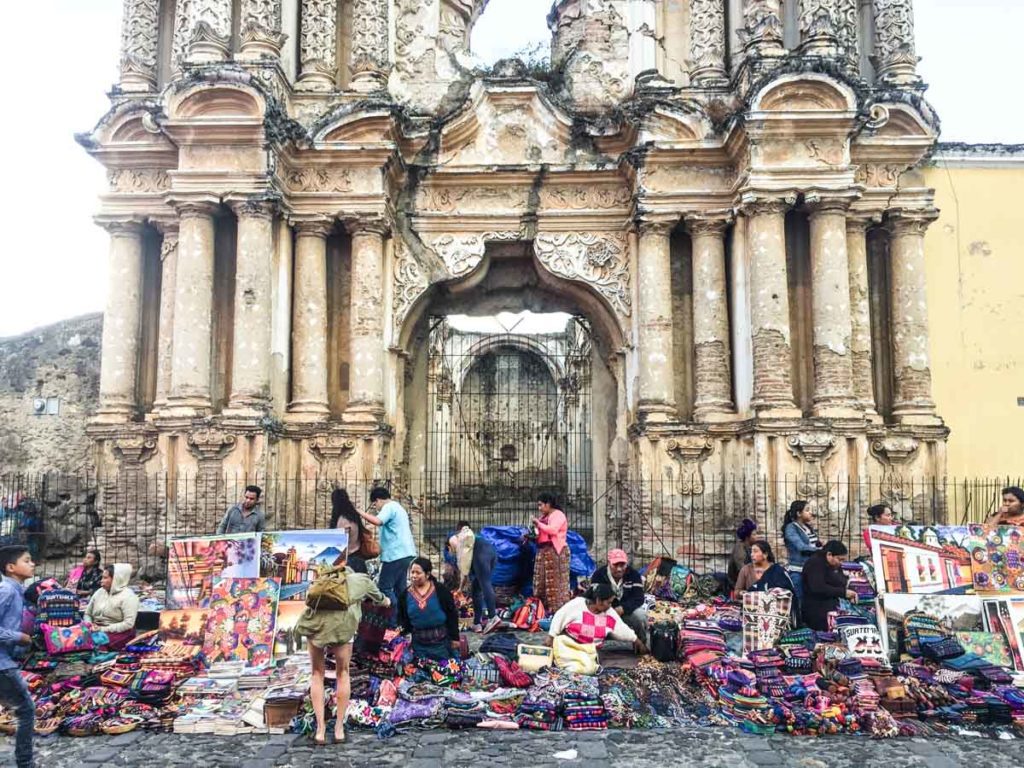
[327, 628]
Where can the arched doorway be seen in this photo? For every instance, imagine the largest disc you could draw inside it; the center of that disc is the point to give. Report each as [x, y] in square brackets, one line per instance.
[509, 416]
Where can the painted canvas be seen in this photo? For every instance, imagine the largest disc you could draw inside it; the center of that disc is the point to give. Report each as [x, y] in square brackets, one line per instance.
[1005, 617]
[193, 564]
[294, 556]
[921, 560]
[241, 621]
[997, 559]
[991, 646]
[186, 624]
[955, 613]
[288, 613]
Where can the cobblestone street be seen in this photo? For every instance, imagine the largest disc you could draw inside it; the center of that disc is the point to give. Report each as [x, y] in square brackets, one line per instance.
[682, 746]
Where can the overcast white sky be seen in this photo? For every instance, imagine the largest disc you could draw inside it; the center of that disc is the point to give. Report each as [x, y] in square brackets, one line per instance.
[53, 264]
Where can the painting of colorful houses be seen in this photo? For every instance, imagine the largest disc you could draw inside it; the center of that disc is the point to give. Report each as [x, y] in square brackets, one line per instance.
[193, 564]
[294, 557]
[922, 560]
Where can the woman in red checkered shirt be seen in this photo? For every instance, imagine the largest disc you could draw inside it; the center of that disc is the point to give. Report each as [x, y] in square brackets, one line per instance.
[590, 620]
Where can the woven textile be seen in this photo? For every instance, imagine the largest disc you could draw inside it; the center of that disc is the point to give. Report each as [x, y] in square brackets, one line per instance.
[765, 618]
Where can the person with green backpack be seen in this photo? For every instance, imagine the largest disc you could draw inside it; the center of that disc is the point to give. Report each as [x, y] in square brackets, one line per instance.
[330, 621]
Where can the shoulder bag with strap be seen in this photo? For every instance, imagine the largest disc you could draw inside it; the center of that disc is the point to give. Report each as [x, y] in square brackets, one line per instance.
[329, 591]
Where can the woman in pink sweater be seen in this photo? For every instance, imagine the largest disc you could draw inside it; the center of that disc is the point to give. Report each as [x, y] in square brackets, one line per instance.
[551, 567]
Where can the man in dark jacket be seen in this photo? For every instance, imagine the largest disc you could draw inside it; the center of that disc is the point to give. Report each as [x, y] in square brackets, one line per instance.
[824, 584]
[628, 587]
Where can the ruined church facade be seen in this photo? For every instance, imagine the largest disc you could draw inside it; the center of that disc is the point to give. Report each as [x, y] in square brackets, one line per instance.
[727, 193]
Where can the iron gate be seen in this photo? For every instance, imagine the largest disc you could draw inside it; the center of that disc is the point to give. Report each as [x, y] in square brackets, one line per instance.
[509, 416]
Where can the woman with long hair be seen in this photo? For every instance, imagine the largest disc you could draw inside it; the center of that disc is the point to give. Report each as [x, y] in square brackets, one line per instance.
[551, 566]
[84, 579]
[345, 516]
[427, 612]
[331, 630]
[801, 540]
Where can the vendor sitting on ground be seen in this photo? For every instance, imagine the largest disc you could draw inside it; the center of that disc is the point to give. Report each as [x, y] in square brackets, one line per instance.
[582, 625]
[84, 579]
[627, 589]
[824, 585]
[740, 551]
[426, 610]
[114, 606]
[762, 572]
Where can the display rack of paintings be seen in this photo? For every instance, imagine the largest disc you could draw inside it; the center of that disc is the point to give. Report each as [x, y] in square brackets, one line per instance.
[194, 563]
[1005, 617]
[241, 621]
[952, 613]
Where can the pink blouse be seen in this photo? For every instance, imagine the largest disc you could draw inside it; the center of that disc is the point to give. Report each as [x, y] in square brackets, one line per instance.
[552, 530]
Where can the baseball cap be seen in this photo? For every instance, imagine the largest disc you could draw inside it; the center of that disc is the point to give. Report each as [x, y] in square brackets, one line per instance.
[617, 556]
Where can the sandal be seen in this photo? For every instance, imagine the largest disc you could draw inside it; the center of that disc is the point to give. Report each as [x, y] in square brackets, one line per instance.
[320, 742]
[339, 736]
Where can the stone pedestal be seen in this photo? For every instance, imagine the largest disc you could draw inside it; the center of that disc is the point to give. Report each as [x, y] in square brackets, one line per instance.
[318, 32]
[366, 344]
[912, 396]
[250, 359]
[309, 323]
[830, 309]
[370, 46]
[713, 400]
[193, 311]
[140, 29]
[121, 324]
[769, 308]
[707, 43]
[654, 288]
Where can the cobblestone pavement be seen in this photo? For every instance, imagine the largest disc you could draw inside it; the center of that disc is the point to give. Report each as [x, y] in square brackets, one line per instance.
[683, 746]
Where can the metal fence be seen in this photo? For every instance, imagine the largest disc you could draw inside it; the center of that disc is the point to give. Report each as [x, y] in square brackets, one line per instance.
[130, 518]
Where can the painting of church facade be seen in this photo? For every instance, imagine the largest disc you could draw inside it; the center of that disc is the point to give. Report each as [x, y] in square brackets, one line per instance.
[922, 560]
[294, 557]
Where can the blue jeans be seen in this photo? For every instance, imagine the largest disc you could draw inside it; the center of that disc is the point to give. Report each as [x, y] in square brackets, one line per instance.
[485, 605]
[394, 578]
[14, 694]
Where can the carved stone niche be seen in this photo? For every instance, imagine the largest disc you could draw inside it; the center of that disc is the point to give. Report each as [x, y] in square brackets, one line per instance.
[331, 451]
[690, 451]
[210, 446]
[812, 448]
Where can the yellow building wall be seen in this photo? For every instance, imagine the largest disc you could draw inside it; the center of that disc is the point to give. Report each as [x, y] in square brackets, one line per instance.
[975, 264]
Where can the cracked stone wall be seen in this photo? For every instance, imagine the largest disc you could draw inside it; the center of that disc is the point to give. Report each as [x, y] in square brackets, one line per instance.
[59, 361]
[591, 46]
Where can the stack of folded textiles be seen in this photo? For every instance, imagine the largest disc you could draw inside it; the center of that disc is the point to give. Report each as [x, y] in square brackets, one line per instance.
[798, 660]
[703, 642]
[768, 665]
[797, 637]
[744, 705]
[583, 711]
[539, 712]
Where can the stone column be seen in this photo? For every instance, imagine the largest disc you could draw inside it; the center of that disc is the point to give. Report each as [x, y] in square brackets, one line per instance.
[318, 43]
[769, 307]
[912, 396]
[860, 314]
[707, 43]
[168, 280]
[309, 322]
[654, 313]
[202, 31]
[119, 360]
[260, 33]
[895, 55]
[250, 358]
[710, 319]
[193, 310]
[367, 346]
[818, 27]
[830, 308]
[643, 49]
[371, 46]
[140, 27]
[762, 28]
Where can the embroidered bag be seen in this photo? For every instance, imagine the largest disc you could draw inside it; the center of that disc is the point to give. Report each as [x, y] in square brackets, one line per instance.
[57, 607]
[66, 639]
[939, 650]
[482, 670]
[529, 615]
[329, 591]
[533, 658]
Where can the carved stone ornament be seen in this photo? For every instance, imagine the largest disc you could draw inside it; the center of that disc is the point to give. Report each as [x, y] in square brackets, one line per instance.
[895, 453]
[318, 39]
[582, 198]
[707, 42]
[207, 45]
[139, 33]
[410, 283]
[690, 451]
[318, 180]
[138, 180]
[133, 451]
[210, 446]
[818, 24]
[878, 175]
[600, 261]
[260, 33]
[461, 254]
[813, 449]
[332, 451]
[168, 246]
[498, 198]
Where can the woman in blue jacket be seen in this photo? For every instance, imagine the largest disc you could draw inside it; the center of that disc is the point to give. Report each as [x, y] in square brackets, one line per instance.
[801, 541]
